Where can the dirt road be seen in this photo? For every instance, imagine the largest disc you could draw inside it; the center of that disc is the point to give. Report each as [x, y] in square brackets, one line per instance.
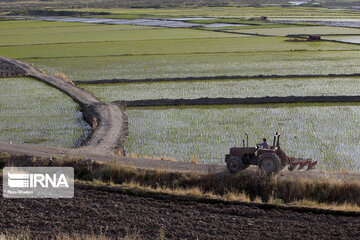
[98, 210]
[40, 151]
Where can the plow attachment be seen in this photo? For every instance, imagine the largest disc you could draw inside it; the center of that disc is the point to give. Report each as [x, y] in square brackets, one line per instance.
[302, 163]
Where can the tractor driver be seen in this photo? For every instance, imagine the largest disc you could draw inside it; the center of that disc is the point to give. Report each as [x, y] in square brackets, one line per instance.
[264, 145]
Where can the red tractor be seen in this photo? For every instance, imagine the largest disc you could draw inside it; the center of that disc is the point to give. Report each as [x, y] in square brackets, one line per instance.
[271, 159]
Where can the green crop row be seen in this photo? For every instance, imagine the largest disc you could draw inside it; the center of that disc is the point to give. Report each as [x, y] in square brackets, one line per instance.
[24, 27]
[28, 25]
[100, 33]
[194, 44]
[195, 65]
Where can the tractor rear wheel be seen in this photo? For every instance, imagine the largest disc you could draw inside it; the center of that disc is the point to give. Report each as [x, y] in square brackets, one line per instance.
[234, 164]
[270, 163]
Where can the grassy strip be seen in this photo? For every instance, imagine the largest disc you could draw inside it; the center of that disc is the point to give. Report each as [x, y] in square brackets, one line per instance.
[252, 184]
[246, 185]
[196, 195]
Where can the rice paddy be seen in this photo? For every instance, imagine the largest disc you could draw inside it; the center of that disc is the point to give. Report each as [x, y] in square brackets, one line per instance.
[86, 51]
[97, 51]
[228, 89]
[326, 133]
[166, 47]
[35, 113]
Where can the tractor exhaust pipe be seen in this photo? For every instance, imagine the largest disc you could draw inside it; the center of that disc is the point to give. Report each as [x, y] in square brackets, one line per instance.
[247, 140]
[274, 141]
[278, 141]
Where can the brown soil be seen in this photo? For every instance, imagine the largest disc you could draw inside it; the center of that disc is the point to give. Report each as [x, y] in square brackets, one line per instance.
[9, 70]
[102, 210]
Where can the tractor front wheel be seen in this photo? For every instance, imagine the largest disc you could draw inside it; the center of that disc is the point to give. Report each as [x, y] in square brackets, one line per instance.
[234, 164]
[269, 162]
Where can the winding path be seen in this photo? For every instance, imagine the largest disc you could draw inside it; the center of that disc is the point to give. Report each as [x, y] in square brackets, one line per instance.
[108, 120]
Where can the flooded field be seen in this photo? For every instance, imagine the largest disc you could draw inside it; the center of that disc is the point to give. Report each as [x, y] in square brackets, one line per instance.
[228, 89]
[169, 23]
[348, 39]
[177, 46]
[34, 113]
[207, 133]
[327, 22]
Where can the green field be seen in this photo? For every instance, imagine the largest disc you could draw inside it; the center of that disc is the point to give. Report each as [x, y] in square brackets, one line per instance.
[239, 12]
[195, 65]
[73, 33]
[226, 88]
[98, 51]
[165, 47]
[29, 25]
[327, 133]
[35, 113]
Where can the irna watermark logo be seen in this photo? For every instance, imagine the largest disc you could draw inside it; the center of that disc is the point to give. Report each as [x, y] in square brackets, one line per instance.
[38, 182]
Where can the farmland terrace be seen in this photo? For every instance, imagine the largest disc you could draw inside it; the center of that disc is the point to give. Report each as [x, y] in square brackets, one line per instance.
[110, 126]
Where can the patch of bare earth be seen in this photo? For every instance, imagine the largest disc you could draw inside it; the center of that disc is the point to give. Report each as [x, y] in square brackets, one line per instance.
[114, 214]
[10, 70]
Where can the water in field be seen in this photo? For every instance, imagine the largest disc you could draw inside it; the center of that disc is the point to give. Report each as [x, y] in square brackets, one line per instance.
[227, 88]
[348, 39]
[326, 133]
[170, 23]
[35, 113]
[326, 22]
